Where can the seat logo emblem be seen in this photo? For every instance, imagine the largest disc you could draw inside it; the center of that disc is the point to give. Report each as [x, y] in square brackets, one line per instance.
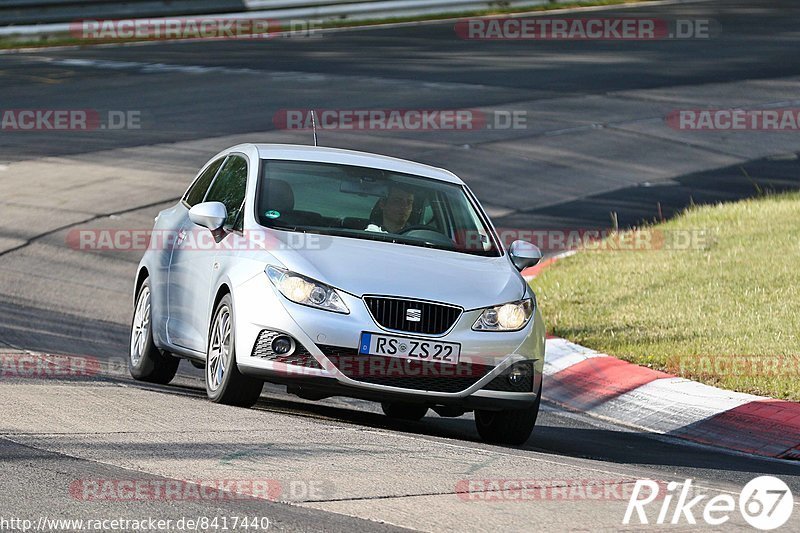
[414, 315]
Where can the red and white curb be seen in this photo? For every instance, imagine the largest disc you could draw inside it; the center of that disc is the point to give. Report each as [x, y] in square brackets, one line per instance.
[580, 379]
[531, 272]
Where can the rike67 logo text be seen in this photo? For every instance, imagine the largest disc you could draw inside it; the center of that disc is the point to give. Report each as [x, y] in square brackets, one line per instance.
[765, 503]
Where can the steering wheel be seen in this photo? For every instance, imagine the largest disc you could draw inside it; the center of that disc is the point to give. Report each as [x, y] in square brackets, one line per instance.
[415, 228]
[428, 235]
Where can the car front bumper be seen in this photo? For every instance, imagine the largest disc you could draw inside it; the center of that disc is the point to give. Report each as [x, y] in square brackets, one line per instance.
[331, 365]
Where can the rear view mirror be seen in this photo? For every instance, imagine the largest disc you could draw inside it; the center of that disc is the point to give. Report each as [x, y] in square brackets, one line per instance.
[210, 215]
[524, 254]
[365, 186]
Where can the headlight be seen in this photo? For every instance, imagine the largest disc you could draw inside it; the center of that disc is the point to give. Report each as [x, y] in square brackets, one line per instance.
[306, 291]
[509, 317]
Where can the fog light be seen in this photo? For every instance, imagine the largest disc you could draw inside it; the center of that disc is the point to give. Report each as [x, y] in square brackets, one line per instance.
[517, 375]
[282, 345]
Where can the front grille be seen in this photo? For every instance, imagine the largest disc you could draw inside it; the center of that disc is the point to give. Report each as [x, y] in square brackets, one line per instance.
[300, 357]
[404, 373]
[501, 383]
[427, 317]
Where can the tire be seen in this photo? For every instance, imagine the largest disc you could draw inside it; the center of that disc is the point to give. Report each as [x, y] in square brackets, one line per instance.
[512, 427]
[146, 362]
[404, 411]
[224, 383]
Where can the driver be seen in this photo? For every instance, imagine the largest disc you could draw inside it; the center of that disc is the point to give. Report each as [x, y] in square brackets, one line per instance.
[395, 210]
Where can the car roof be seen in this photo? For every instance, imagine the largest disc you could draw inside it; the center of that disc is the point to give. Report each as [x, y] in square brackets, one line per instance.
[299, 152]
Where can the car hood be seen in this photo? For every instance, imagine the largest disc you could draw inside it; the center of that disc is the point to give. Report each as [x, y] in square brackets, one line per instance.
[360, 267]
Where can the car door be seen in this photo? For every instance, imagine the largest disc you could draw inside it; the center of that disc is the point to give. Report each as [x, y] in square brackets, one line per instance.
[195, 194]
[192, 264]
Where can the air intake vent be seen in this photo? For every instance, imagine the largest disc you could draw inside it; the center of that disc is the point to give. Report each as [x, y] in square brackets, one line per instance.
[299, 356]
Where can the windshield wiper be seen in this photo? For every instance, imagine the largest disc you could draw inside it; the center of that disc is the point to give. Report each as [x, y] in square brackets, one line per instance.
[285, 228]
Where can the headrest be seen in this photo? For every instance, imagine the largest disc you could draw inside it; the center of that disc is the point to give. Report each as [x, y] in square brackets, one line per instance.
[277, 195]
[376, 215]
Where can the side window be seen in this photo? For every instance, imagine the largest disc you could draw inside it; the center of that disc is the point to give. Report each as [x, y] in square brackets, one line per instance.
[230, 187]
[197, 191]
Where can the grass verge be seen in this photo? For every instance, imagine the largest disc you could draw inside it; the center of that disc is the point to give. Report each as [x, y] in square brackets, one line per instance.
[715, 299]
[65, 39]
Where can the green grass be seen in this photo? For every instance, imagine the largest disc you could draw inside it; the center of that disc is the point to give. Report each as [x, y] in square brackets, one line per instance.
[65, 39]
[697, 312]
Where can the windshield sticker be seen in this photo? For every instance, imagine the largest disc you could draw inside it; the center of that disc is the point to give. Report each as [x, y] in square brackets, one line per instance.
[272, 214]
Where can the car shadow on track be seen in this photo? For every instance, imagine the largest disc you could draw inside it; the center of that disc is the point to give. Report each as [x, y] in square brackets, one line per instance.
[555, 434]
[48, 331]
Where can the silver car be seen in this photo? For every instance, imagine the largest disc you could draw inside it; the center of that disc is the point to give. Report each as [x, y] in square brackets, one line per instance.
[341, 273]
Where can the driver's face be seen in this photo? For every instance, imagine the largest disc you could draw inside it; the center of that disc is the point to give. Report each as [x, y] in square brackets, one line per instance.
[397, 207]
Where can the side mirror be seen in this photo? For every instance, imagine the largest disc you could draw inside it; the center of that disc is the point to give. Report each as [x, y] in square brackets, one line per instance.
[210, 215]
[524, 254]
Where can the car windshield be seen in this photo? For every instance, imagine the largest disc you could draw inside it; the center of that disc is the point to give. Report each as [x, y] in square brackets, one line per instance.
[368, 203]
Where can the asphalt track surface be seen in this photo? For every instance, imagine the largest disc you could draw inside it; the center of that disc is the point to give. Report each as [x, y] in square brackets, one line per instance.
[595, 143]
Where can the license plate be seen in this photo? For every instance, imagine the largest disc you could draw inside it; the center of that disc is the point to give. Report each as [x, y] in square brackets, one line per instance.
[408, 348]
